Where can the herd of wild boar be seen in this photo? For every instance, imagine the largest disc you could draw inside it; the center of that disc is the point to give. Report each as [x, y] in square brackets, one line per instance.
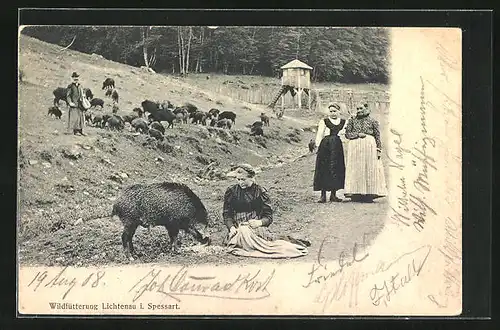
[151, 116]
[172, 205]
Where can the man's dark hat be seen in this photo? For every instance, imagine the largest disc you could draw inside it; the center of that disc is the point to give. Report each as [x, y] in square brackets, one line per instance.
[75, 75]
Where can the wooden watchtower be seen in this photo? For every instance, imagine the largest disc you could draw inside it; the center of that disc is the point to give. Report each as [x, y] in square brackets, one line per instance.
[297, 75]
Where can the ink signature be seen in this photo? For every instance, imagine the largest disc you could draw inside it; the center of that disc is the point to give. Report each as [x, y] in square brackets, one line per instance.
[453, 262]
[319, 272]
[336, 284]
[382, 293]
[182, 283]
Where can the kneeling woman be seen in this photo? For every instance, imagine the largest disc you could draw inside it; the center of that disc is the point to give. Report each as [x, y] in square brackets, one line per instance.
[247, 214]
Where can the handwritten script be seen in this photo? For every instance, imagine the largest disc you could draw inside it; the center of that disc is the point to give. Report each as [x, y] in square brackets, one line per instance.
[61, 280]
[453, 263]
[397, 281]
[334, 281]
[244, 286]
[413, 206]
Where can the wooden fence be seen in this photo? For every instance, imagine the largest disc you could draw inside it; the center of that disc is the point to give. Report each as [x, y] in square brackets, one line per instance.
[350, 99]
[320, 99]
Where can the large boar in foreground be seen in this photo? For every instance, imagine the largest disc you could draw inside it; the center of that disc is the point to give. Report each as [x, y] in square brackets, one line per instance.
[172, 205]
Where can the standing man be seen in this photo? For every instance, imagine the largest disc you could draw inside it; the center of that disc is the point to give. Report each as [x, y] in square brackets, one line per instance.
[74, 96]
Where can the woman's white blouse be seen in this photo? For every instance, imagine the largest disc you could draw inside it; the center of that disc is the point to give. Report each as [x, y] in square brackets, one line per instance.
[323, 130]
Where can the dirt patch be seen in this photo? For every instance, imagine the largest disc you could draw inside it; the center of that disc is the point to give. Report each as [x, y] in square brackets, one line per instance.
[68, 183]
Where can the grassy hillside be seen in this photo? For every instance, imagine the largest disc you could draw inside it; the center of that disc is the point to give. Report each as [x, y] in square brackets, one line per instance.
[68, 183]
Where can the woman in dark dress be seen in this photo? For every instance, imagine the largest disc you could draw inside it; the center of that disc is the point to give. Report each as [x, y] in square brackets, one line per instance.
[247, 214]
[329, 174]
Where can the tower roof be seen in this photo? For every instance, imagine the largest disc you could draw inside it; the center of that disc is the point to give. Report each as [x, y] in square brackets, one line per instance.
[296, 64]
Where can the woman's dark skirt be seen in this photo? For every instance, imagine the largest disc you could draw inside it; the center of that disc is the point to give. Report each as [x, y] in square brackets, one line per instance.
[329, 173]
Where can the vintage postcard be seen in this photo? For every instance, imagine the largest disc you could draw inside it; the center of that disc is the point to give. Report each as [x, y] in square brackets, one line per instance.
[249, 170]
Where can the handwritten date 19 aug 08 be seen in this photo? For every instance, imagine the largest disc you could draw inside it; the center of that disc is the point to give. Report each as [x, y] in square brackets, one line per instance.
[62, 280]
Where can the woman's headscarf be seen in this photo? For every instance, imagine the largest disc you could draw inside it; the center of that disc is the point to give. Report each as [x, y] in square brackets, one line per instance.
[335, 105]
[362, 110]
[242, 170]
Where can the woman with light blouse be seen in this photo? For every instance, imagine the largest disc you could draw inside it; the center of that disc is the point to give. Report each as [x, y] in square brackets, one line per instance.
[329, 173]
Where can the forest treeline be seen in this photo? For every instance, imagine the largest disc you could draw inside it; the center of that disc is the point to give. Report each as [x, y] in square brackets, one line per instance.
[346, 55]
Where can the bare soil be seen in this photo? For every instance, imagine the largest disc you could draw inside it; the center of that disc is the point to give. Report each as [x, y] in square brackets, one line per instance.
[67, 183]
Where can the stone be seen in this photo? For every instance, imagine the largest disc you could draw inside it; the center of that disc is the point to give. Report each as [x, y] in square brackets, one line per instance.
[117, 178]
[47, 164]
[107, 161]
[33, 162]
[73, 153]
[79, 221]
[123, 175]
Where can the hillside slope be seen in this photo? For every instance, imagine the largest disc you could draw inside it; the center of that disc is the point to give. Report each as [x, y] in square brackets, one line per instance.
[68, 183]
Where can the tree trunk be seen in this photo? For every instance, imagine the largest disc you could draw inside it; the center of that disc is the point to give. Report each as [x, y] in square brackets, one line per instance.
[180, 49]
[200, 55]
[188, 48]
[183, 47]
[144, 46]
[152, 60]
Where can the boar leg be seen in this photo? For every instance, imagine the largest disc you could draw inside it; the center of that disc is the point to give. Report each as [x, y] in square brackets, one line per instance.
[173, 232]
[127, 235]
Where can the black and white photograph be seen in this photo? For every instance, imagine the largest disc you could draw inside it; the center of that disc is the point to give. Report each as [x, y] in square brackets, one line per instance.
[177, 170]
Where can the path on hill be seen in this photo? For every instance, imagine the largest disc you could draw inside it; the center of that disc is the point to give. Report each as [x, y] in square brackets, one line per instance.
[338, 225]
[58, 188]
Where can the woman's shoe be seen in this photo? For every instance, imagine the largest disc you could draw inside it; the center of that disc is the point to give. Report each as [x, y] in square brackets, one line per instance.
[367, 199]
[356, 198]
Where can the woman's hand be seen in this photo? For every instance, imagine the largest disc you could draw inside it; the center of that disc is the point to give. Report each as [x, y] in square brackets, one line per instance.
[255, 223]
[362, 135]
[232, 231]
